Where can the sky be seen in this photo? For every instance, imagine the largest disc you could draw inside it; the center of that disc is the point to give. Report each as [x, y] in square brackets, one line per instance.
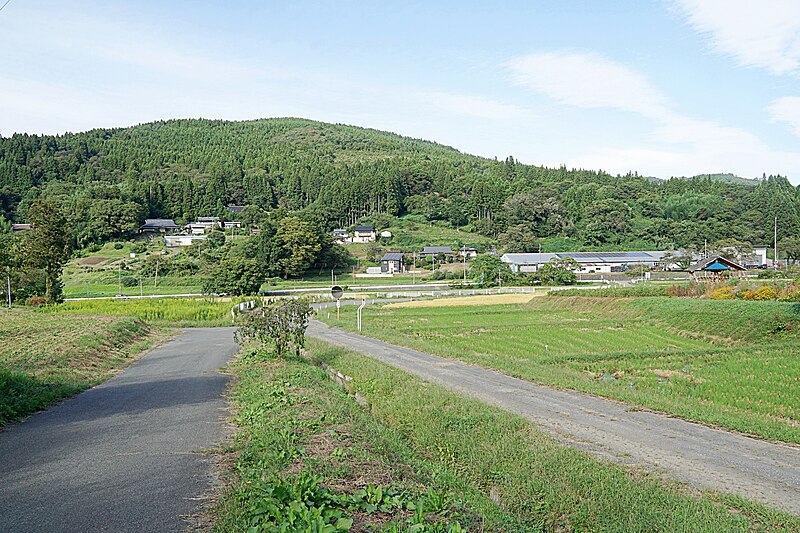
[662, 88]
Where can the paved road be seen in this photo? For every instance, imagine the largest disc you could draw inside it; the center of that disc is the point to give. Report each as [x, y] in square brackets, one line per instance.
[695, 454]
[122, 456]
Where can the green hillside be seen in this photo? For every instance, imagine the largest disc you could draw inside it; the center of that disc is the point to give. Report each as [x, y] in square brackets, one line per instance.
[109, 180]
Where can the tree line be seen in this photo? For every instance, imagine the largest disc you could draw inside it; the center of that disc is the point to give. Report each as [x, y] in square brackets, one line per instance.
[107, 181]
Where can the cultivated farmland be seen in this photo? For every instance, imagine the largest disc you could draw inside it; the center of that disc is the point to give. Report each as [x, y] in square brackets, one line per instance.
[731, 364]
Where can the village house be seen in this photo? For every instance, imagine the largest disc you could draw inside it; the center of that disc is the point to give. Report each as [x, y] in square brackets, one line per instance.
[435, 251]
[159, 225]
[469, 253]
[341, 236]
[393, 262]
[364, 234]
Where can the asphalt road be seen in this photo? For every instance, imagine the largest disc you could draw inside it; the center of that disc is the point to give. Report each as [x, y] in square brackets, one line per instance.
[127, 454]
[698, 455]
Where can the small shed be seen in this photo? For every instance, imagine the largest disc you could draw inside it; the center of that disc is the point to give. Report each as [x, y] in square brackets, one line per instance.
[715, 268]
[393, 262]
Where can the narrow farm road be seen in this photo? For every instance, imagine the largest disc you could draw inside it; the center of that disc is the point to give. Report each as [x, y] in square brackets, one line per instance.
[698, 455]
[125, 455]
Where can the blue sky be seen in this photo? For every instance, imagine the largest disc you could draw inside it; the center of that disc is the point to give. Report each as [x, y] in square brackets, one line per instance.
[662, 88]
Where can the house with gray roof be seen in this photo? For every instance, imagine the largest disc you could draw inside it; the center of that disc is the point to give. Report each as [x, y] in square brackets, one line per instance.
[602, 262]
[159, 225]
[393, 262]
[433, 251]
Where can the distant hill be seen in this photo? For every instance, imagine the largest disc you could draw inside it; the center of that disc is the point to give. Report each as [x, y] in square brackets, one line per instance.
[729, 178]
[338, 175]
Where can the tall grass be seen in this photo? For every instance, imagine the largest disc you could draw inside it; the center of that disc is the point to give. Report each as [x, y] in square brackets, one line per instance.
[169, 312]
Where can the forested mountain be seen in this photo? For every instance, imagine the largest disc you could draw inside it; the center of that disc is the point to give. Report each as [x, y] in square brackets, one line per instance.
[109, 180]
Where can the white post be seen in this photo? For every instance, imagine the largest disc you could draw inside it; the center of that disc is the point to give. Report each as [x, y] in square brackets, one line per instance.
[155, 281]
[8, 280]
[360, 307]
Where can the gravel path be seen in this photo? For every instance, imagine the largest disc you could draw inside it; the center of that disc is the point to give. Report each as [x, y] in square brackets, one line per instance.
[700, 456]
[125, 455]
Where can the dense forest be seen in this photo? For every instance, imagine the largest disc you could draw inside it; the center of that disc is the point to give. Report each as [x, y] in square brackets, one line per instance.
[109, 180]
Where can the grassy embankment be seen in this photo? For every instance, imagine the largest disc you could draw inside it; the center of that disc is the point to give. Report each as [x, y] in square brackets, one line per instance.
[307, 449]
[44, 358]
[727, 363]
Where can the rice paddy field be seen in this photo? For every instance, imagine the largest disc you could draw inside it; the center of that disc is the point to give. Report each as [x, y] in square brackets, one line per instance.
[729, 363]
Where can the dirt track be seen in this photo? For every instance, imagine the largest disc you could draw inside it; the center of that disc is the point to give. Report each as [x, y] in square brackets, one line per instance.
[700, 456]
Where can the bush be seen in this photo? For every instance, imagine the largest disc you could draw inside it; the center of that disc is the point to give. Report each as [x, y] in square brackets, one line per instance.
[93, 247]
[723, 293]
[130, 281]
[36, 301]
[281, 323]
[139, 248]
[761, 294]
[118, 246]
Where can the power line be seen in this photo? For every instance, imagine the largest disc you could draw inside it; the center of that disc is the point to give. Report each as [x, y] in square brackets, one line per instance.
[4, 5]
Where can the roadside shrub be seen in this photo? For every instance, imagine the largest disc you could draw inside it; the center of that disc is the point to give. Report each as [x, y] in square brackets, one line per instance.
[761, 294]
[281, 323]
[36, 301]
[723, 293]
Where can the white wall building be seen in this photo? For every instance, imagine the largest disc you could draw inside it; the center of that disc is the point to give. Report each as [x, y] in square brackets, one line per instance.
[599, 262]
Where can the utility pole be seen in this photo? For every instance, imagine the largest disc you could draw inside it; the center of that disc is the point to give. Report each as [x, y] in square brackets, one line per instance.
[155, 280]
[776, 241]
[120, 278]
[465, 264]
[8, 280]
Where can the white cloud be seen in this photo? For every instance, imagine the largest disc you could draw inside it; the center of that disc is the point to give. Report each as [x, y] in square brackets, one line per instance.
[764, 33]
[677, 144]
[470, 105]
[588, 80]
[786, 109]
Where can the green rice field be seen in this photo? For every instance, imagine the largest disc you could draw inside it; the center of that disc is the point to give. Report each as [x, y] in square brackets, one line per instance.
[728, 363]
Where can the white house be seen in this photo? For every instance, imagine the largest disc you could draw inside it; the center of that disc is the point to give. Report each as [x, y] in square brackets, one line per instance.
[183, 240]
[341, 236]
[469, 253]
[760, 253]
[364, 234]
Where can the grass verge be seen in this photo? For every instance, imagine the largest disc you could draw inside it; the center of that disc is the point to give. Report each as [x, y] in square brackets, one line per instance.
[463, 461]
[44, 358]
